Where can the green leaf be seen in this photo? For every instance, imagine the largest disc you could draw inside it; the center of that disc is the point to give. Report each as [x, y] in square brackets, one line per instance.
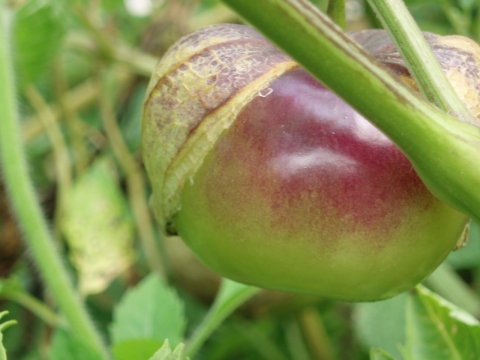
[437, 329]
[379, 354]
[38, 31]
[165, 353]
[139, 349]
[151, 310]
[3, 326]
[66, 346]
[98, 227]
[372, 328]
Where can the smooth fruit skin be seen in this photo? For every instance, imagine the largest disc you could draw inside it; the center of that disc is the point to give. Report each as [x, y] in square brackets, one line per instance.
[303, 194]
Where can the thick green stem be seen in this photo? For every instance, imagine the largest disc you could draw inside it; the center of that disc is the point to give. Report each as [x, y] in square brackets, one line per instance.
[336, 12]
[421, 61]
[444, 150]
[27, 208]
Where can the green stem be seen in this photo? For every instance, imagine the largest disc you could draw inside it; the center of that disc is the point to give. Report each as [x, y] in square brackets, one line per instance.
[77, 98]
[134, 176]
[315, 334]
[230, 296]
[295, 342]
[27, 208]
[336, 12]
[137, 61]
[34, 306]
[104, 45]
[460, 21]
[443, 150]
[476, 25]
[421, 61]
[74, 129]
[60, 150]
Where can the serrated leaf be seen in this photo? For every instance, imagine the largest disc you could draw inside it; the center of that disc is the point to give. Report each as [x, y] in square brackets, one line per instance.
[437, 329]
[66, 346]
[151, 310]
[379, 354]
[98, 228]
[372, 328]
[165, 353]
[38, 32]
[3, 326]
[139, 349]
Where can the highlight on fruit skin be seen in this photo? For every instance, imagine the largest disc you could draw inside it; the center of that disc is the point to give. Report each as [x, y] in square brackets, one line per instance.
[273, 180]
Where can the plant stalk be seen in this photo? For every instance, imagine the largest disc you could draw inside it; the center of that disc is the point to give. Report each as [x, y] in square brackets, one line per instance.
[421, 61]
[134, 176]
[34, 306]
[77, 98]
[26, 206]
[336, 12]
[315, 334]
[60, 151]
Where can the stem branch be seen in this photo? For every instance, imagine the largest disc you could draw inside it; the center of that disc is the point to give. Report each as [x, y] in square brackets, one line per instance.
[421, 61]
[34, 306]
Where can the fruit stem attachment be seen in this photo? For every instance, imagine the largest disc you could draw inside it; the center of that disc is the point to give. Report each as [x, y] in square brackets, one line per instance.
[336, 12]
[420, 59]
[26, 206]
